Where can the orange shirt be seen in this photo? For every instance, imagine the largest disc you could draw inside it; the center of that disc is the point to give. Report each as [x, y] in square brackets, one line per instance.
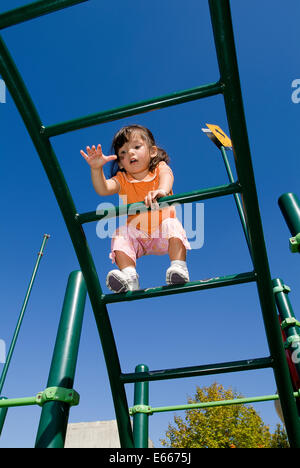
[133, 190]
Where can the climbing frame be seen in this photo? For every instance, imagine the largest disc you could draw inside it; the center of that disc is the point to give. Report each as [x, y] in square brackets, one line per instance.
[228, 86]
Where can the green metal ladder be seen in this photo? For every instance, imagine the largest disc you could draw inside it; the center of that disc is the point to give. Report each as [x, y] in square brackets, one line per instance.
[229, 86]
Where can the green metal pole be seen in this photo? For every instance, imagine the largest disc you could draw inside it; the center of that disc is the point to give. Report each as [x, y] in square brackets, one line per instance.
[21, 316]
[236, 198]
[290, 208]
[3, 412]
[141, 107]
[285, 310]
[29, 114]
[227, 59]
[212, 404]
[141, 420]
[54, 417]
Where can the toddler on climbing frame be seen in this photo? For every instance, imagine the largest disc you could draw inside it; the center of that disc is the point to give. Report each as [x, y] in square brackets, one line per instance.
[140, 172]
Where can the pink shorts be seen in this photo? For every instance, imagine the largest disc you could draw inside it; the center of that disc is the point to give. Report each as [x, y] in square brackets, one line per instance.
[136, 243]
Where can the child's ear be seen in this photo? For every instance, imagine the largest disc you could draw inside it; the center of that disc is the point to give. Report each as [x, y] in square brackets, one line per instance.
[153, 151]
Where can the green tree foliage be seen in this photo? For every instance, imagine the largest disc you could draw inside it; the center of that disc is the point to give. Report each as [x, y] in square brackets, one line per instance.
[236, 426]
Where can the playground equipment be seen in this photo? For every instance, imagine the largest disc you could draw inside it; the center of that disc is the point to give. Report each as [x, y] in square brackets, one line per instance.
[228, 86]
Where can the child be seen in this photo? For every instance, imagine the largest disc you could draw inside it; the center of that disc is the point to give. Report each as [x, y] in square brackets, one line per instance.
[142, 174]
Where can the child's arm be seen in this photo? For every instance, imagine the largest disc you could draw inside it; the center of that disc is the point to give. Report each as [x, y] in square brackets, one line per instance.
[165, 185]
[96, 160]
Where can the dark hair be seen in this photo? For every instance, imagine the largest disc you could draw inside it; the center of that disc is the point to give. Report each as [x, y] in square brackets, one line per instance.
[123, 136]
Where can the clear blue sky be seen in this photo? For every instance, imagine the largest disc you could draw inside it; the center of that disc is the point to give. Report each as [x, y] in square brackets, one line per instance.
[101, 55]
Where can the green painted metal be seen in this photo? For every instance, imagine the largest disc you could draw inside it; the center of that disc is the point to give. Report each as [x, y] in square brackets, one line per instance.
[12, 402]
[219, 281]
[140, 420]
[3, 413]
[195, 371]
[286, 313]
[33, 10]
[149, 410]
[290, 208]
[28, 112]
[65, 395]
[22, 313]
[227, 60]
[229, 86]
[236, 198]
[168, 100]
[140, 207]
[54, 416]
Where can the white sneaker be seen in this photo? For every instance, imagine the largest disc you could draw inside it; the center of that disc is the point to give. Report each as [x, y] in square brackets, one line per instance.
[119, 281]
[176, 274]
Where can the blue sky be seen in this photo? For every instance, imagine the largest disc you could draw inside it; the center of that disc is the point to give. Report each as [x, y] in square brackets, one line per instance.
[98, 56]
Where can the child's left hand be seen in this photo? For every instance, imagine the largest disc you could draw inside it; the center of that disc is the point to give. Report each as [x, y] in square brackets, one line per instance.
[151, 198]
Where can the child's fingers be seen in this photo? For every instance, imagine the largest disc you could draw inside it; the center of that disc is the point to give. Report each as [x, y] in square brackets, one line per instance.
[150, 200]
[83, 154]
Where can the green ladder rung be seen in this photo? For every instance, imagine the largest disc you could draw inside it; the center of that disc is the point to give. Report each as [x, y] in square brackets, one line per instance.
[217, 282]
[34, 10]
[187, 197]
[196, 371]
[141, 107]
[229, 87]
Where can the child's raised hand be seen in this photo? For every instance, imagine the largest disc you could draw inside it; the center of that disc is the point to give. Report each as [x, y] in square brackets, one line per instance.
[95, 158]
[151, 198]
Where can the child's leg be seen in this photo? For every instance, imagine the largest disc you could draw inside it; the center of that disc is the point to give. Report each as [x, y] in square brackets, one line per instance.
[176, 250]
[124, 253]
[122, 260]
[177, 273]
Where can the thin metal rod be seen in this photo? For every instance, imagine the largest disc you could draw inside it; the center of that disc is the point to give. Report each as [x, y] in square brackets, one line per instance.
[227, 59]
[195, 371]
[141, 107]
[13, 402]
[217, 282]
[237, 200]
[211, 404]
[34, 10]
[21, 316]
[140, 207]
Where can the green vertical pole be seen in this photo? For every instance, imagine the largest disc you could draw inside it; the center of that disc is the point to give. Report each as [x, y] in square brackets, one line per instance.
[285, 310]
[229, 77]
[290, 208]
[141, 420]
[21, 316]
[54, 417]
[3, 412]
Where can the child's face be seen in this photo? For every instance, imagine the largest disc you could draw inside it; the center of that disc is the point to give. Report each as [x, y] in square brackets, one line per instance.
[135, 155]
